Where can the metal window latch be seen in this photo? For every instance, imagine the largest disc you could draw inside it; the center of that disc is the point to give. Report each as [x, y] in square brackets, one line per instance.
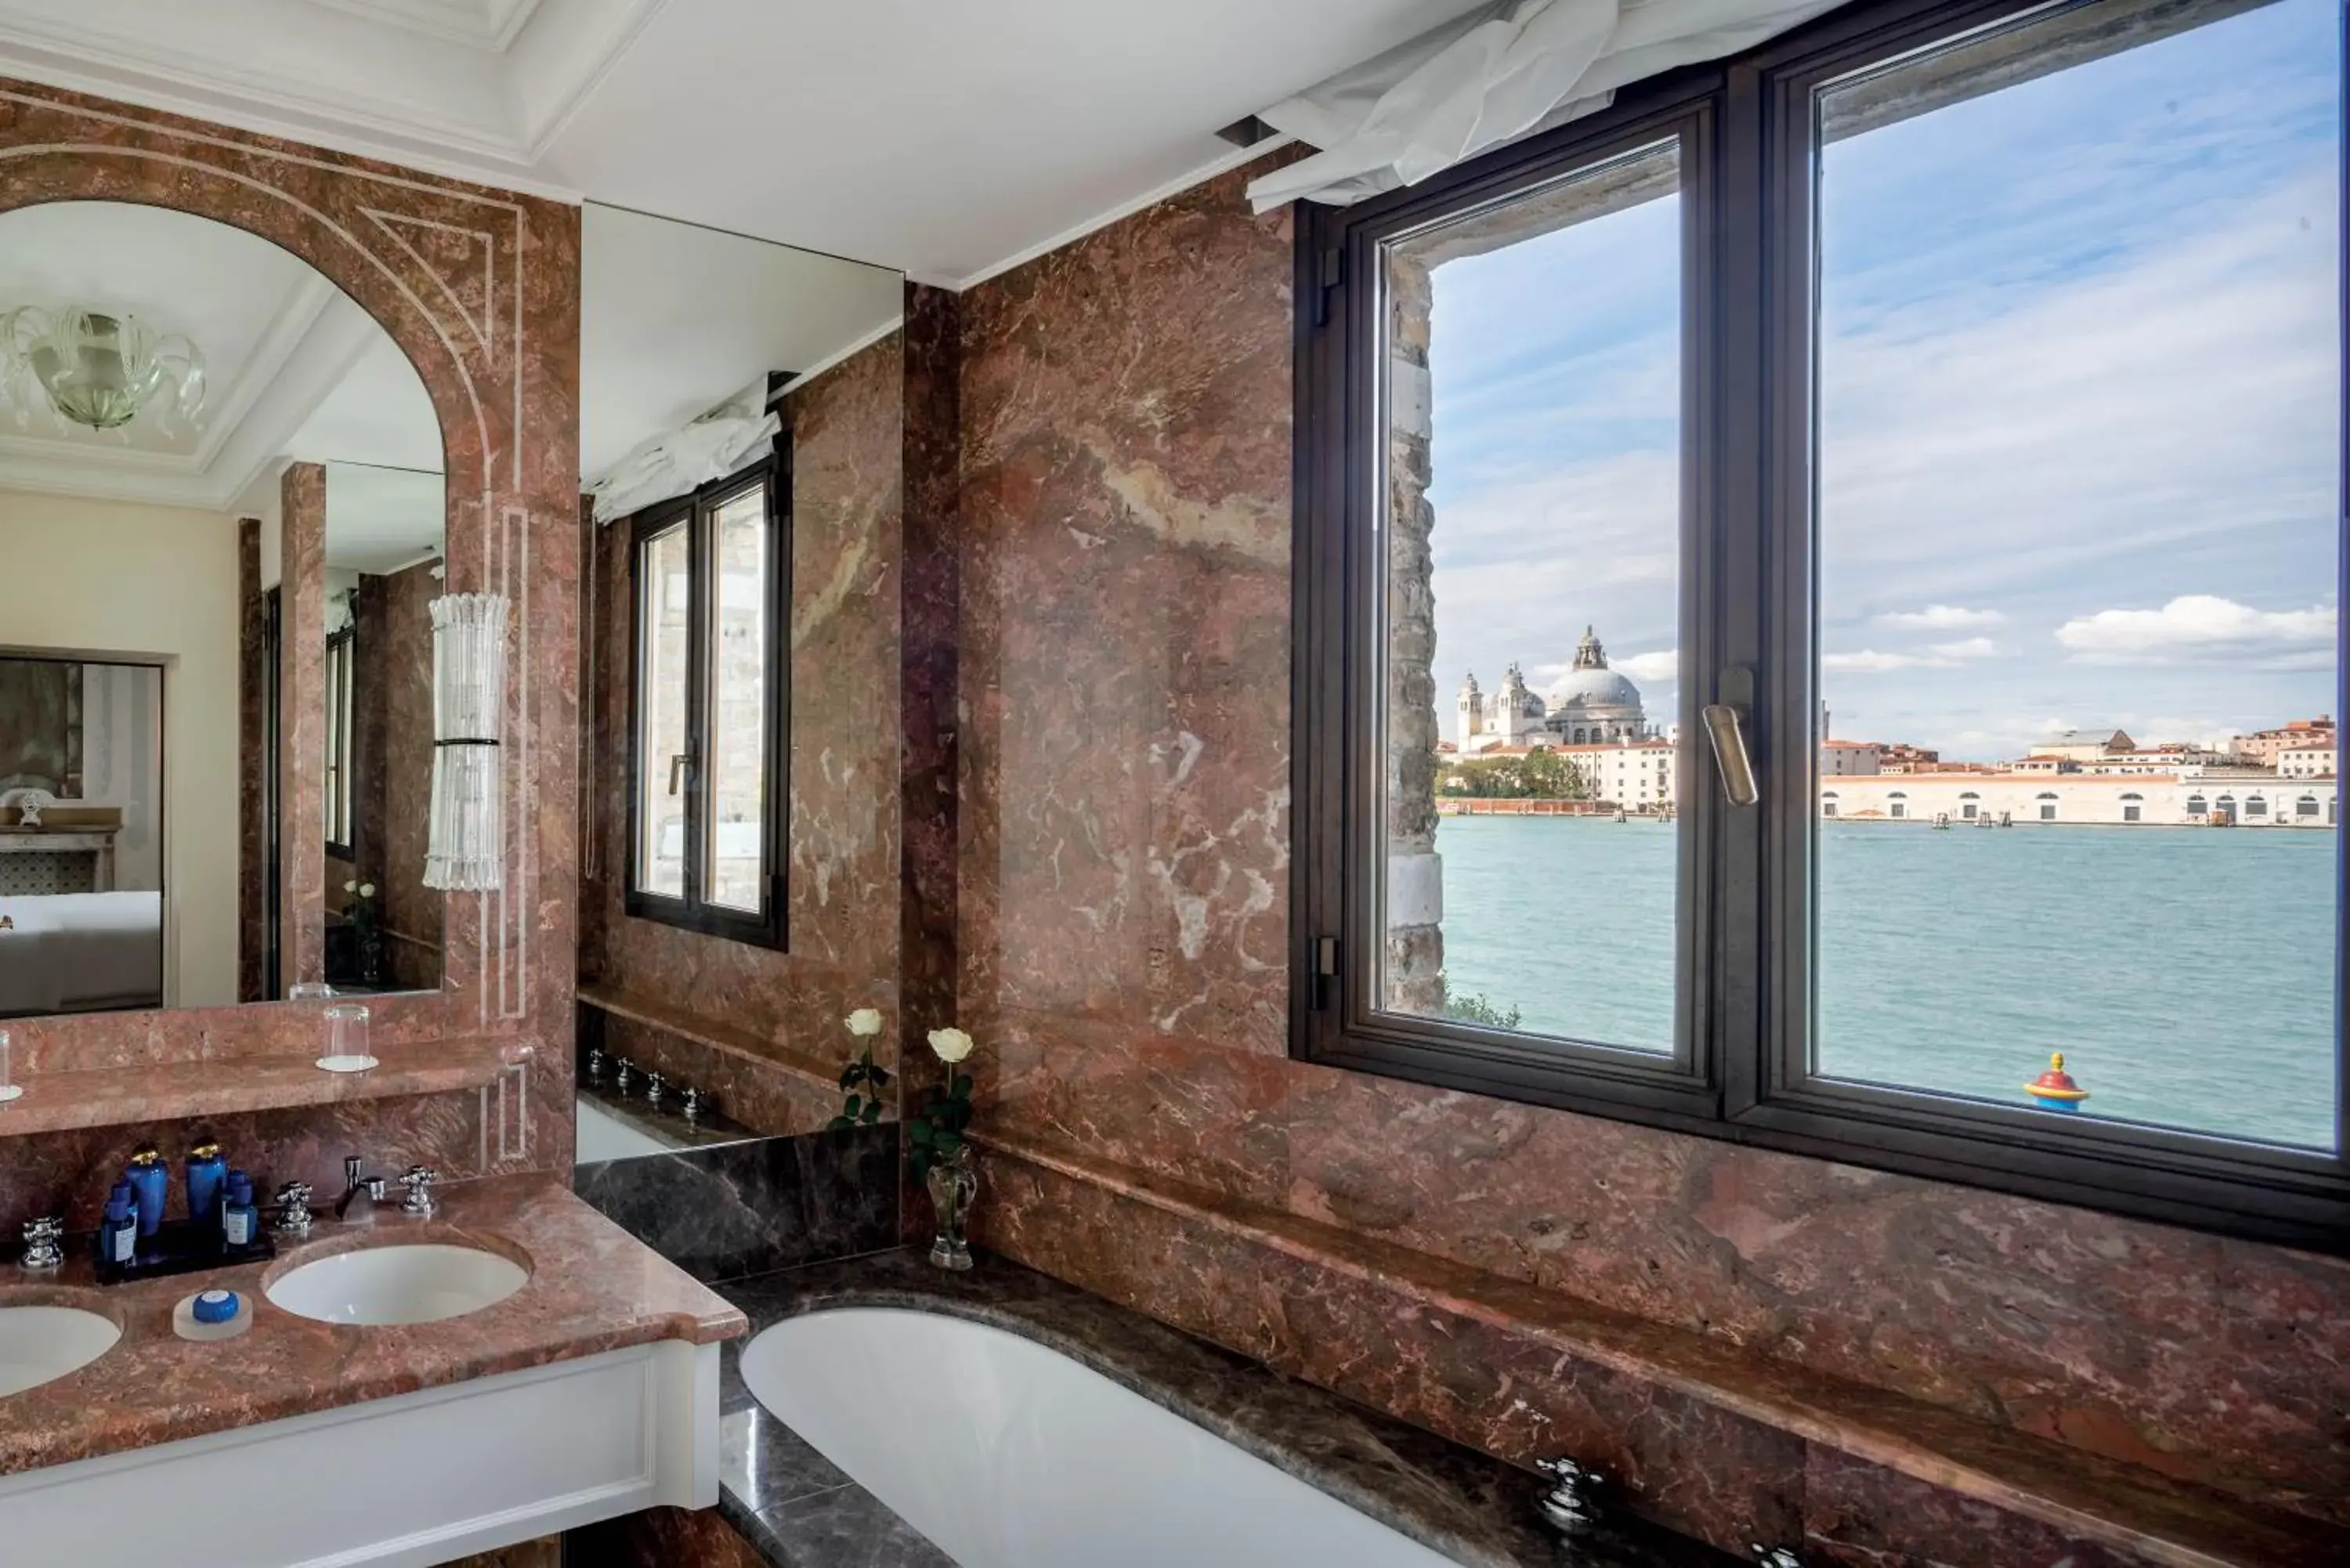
[1573, 1503]
[44, 1243]
[1725, 726]
[679, 764]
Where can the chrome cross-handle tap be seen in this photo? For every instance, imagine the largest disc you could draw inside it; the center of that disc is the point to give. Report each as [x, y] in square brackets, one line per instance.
[419, 1181]
[655, 1087]
[292, 1221]
[44, 1243]
[1573, 1503]
[1777, 1557]
[693, 1104]
[622, 1074]
[596, 1064]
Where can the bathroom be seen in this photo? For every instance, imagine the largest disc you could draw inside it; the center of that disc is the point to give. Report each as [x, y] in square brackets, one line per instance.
[824, 785]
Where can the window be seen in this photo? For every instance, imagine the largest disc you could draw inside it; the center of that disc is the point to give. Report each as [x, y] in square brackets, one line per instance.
[341, 728]
[1723, 400]
[2133, 807]
[2305, 806]
[2256, 807]
[711, 711]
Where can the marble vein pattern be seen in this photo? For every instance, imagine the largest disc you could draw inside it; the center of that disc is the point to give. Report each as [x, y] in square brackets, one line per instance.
[752, 1208]
[843, 849]
[1473, 1509]
[479, 288]
[592, 1288]
[302, 725]
[1123, 951]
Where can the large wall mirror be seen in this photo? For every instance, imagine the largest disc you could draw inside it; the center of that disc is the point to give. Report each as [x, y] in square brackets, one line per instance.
[741, 442]
[221, 519]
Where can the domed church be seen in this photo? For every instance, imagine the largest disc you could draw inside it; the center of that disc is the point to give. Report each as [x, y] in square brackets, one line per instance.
[1593, 706]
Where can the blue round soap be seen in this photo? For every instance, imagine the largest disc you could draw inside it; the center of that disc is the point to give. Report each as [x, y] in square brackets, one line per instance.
[215, 1306]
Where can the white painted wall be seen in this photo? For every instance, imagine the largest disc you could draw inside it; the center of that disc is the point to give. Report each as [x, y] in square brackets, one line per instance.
[106, 577]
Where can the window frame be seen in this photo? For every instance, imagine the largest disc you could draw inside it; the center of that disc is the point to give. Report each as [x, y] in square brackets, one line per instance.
[342, 742]
[692, 912]
[1740, 1072]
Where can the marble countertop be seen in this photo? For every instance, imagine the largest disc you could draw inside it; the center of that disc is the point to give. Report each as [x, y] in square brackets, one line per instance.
[593, 1287]
[801, 1511]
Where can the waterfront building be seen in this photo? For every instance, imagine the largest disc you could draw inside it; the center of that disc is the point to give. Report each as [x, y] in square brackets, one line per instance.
[1850, 759]
[2238, 797]
[2261, 746]
[2308, 760]
[2085, 745]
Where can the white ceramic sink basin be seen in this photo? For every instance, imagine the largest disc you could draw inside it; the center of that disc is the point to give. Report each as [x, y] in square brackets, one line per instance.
[41, 1343]
[408, 1283]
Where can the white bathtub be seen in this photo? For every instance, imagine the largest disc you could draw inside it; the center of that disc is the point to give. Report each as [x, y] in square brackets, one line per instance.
[1008, 1455]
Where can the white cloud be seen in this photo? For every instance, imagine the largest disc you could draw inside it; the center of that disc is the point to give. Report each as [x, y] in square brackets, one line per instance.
[1662, 665]
[1941, 656]
[1939, 617]
[1869, 661]
[2200, 626]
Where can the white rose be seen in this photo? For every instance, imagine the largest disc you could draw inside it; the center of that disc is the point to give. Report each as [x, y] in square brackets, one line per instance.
[865, 1021]
[950, 1045]
[351, 886]
[367, 889]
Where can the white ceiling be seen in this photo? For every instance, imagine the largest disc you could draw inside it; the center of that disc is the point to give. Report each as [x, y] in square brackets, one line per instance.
[382, 519]
[942, 139]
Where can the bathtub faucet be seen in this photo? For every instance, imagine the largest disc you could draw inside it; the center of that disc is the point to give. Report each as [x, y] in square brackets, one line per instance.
[1573, 1504]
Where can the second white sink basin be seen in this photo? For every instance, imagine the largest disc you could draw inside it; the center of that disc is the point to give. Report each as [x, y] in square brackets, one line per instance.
[38, 1343]
[407, 1282]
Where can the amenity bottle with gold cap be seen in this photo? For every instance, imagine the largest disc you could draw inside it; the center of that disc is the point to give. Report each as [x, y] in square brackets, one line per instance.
[207, 1170]
[150, 1181]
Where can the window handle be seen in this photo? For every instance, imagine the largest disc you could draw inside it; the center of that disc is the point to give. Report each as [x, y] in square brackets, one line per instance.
[679, 764]
[1724, 728]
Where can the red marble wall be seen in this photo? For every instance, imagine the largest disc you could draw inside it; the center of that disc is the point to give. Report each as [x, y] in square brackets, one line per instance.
[301, 725]
[1126, 406]
[842, 909]
[479, 288]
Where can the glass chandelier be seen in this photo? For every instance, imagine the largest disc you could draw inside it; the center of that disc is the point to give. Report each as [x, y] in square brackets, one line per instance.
[465, 848]
[95, 369]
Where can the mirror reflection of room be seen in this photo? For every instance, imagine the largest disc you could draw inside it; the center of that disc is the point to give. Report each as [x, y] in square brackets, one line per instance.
[222, 514]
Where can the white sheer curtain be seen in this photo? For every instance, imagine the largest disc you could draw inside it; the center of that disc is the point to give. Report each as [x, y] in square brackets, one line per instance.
[1504, 70]
[714, 446]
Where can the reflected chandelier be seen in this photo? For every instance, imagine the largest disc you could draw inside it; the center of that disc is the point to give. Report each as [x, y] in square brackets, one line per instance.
[95, 369]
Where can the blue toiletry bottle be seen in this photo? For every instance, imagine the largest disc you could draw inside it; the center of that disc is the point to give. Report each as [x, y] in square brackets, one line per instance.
[118, 1233]
[240, 1220]
[149, 1180]
[207, 1170]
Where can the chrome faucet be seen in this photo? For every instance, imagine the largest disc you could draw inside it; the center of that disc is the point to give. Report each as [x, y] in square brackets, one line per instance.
[1777, 1557]
[44, 1243]
[361, 1195]
[418, 1204]
[1572, 1505]
[293, 1211]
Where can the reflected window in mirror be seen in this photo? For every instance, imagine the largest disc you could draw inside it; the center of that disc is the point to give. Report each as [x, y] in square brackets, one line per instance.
[707, 709]
[341, 686]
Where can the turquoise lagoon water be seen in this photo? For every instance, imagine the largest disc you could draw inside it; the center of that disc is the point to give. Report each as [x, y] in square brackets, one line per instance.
[2185, 973]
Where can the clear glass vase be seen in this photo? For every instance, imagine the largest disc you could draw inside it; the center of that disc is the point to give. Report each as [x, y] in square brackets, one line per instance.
[953, 1184]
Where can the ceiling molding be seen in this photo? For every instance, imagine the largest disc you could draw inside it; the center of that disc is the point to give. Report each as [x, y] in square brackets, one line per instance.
[1238, 157]
[483, 24]
[374, 77]
[278, 343]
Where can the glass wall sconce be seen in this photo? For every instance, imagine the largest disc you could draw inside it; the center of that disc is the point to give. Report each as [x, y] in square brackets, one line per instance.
[465, 851]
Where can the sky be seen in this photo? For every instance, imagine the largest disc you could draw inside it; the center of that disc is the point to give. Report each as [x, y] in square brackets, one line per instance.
[2079, 413]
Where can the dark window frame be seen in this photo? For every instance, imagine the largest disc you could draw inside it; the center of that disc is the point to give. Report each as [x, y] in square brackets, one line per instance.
[343, 739]
[1741, 1071]
[768, 928]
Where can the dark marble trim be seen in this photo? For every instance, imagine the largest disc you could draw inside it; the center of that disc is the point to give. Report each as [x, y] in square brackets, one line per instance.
[803, 1512]
[739, 1209]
